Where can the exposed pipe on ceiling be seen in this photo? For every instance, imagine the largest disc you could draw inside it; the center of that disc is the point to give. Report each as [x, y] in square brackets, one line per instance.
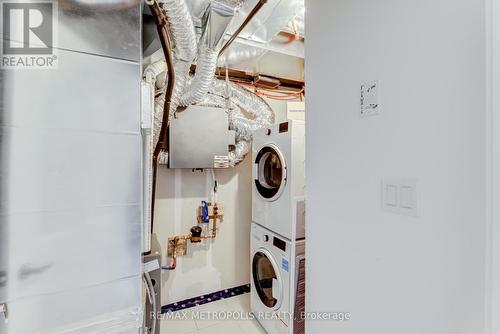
[226, 94]
[250, 16]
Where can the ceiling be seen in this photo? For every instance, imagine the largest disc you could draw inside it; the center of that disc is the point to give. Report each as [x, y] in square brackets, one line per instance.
[270, 44]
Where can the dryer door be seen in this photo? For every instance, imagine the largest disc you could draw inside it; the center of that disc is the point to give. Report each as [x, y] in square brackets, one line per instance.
[270, 172]
[267, 279]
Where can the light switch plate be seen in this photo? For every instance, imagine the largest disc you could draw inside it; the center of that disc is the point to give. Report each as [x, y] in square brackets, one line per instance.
[369, 99]
[399, 195]
[391, 195]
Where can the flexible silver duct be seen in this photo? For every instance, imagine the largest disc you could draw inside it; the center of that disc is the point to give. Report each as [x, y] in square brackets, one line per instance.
[154, 70]
[262, 113]
[182, 28]
[205, 69]
[185, 46]
[225, 94]
[181, 76]
[203, 88]
[217, 18]
[240, 151]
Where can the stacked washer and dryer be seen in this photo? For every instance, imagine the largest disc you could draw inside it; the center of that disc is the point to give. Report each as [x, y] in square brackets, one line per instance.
[278, 228]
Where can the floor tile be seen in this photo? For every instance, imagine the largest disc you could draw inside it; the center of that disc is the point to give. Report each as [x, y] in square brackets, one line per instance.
[174, 324]
[225, 327]
[251, 327]
[239, 303]
[211, 314]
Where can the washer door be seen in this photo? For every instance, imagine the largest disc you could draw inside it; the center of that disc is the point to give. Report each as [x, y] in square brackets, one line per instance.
[266, 279]
[270, 178]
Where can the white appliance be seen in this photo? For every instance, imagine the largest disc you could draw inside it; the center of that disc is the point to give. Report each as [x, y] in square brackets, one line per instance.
[278, 174]
[274, 279]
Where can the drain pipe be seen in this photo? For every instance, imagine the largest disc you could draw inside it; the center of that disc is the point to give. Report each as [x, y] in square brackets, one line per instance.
[161, 24]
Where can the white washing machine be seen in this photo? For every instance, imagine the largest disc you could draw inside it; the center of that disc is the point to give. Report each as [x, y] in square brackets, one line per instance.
[279, 177]
[274, 279]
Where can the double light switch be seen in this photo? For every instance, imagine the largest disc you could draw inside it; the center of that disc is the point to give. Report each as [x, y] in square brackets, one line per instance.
[400, 196]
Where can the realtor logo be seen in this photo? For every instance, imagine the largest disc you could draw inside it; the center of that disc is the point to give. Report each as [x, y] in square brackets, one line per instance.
[28, 31]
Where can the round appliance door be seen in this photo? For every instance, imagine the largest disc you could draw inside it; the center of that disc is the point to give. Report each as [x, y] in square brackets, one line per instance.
[271, 173]
[266, 279]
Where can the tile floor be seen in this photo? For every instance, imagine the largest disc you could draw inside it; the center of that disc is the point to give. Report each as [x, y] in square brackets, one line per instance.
[240, 303]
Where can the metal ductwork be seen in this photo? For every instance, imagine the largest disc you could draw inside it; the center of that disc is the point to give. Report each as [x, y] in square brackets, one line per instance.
[236, 99]
[185, 45]
[203, 88]
[216, 20]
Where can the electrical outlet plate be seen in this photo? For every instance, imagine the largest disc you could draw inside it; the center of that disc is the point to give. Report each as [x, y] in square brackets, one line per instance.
[369, 99]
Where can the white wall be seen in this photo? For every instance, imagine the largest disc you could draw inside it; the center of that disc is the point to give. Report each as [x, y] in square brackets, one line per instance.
[397, 274]
[214, 265]
[494, 107]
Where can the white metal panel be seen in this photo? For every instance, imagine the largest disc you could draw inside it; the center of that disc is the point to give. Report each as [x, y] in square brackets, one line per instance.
[199, 138]
[70, 177]
[99, 27]
[79, 311]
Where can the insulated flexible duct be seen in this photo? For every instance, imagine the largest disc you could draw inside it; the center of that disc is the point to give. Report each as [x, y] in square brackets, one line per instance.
[203, 88]
[181, 75]
[225, 94]
[205, 70]
[217, 18]
[185, 46]
[182, 29]
[154, 70]
[237, 122]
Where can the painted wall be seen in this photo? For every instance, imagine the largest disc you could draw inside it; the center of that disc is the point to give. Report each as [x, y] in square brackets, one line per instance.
[397, 274]
[494, 120]
[212, 265]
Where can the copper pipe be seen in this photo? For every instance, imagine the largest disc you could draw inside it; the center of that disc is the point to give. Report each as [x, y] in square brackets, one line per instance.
[161, 24]
[250, 16]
